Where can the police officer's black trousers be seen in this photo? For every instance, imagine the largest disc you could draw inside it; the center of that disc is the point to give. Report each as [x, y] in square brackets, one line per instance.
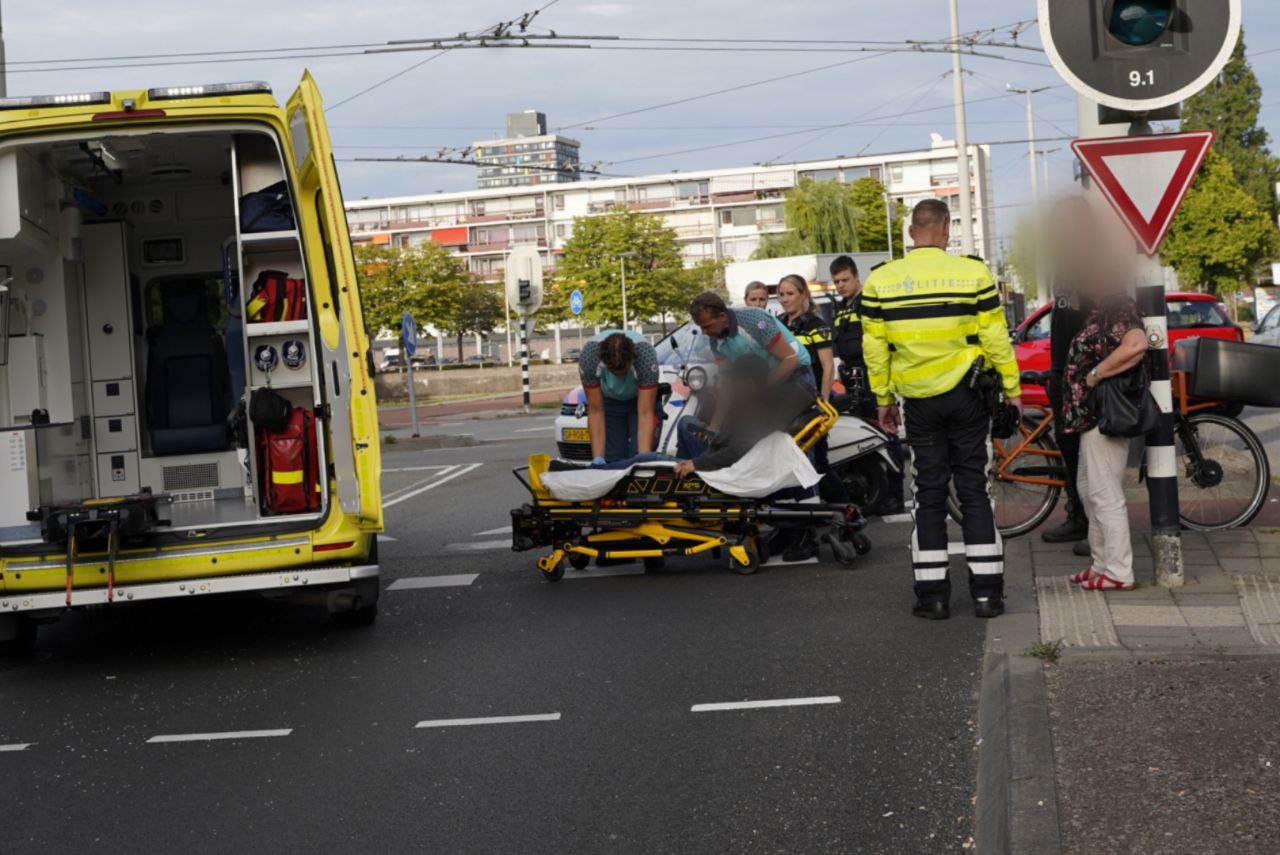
[950, 439]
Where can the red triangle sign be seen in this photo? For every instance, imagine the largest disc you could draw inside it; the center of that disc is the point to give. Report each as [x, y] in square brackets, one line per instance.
[1145, 178]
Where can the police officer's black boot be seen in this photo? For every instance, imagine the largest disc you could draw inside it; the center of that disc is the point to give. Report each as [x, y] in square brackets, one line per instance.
[988, 595]
[931, 610]
[933, 599]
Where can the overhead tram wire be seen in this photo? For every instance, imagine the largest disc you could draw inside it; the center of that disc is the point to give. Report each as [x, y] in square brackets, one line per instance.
[459, 161]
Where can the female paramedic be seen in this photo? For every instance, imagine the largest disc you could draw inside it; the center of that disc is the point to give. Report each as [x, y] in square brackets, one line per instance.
[619, 373]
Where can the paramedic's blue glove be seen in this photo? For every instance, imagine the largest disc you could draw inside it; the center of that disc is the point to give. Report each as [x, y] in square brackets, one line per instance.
[598, 461]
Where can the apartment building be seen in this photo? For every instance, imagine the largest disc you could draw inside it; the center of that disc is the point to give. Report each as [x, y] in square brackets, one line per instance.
[718, 213]
[527, 156]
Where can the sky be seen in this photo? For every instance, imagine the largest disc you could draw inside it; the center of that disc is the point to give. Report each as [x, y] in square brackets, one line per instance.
[464, 95]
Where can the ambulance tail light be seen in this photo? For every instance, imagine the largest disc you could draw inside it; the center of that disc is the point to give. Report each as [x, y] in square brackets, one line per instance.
[209, 90]
[72, 99]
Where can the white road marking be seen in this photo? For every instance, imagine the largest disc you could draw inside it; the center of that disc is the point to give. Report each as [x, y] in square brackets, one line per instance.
[497, 719]
[955, 549]
[479, 546]
[752, 705]
[18, 746]
[603, 572]
[532, 430]
[463, 470]
[896, 518]
[230, 734]
[399, 491]
[386, 538]
[779, 561]
[506, 529]
[413, 582]
[418, 468]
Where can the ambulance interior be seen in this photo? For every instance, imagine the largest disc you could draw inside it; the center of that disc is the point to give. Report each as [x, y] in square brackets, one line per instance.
[126, 341]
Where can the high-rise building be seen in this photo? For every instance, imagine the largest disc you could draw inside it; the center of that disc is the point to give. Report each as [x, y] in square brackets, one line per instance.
[528, 155]
[715, 213]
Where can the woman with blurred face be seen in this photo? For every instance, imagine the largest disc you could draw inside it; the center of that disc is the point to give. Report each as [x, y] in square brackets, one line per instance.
[757, 295]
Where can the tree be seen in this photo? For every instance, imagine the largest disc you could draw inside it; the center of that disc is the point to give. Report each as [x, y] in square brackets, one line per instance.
[1022, 255]
[1221, 234]
[873, 232]
[1230, 106]
[421, 280]
[474, 309]
[592, 263]
[821, 216]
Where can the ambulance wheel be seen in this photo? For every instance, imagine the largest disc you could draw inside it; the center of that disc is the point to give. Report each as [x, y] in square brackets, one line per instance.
[22, 640]
[655, 565]
[861, 543]
[753, 559]
[578, 561]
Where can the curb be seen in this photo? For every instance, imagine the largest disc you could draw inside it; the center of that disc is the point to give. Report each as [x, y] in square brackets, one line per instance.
[1016, 808]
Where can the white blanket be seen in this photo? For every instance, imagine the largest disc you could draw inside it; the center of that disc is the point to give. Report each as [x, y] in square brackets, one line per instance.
[775, 463]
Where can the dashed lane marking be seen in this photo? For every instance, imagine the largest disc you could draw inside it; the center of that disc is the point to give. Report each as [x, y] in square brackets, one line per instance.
[752, 705]
[418, 468]
[506, 529]
[454, 472]
[213, 737]
[386, 538]
[497, 719]
[17, 746]
[479, 546]
[779, 561]
[604, 572]
[896, 518]
[955, 549]
[460, 580]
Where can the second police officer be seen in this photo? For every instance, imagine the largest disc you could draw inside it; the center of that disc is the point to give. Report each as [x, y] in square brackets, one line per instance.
[932, 323]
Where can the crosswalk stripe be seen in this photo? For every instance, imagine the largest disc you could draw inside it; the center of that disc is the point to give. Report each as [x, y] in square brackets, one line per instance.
[479, 546]
[410, 583]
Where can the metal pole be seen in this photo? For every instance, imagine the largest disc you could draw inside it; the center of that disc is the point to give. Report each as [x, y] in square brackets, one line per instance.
[888, 221]
[622, 260]
[524, 361]
[1042, 280]
[4, 89]
[962, 135]
[413, 397]
[1162, 462]
[506, 299]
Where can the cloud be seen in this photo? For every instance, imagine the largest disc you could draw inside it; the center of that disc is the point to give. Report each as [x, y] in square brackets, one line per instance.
[603, 10]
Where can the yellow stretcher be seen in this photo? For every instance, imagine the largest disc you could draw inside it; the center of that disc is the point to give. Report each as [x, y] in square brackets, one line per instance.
[652, 514]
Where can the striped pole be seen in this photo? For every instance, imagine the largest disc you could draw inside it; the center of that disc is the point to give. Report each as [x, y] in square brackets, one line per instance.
[1162, 472]
[524, 360]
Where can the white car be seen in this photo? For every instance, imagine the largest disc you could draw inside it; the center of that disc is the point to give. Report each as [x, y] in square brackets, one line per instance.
[1268, 330]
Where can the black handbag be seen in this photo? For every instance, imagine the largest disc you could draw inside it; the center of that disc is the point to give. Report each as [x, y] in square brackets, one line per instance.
[1124, 404]
[269, 410]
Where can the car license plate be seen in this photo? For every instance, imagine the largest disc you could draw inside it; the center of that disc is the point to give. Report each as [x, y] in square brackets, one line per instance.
[577, 435]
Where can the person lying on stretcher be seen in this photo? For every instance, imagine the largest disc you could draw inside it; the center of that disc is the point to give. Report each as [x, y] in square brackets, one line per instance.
[755, 409]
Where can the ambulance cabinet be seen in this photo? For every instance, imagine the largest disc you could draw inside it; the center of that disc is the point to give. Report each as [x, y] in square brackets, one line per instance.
[108, 325]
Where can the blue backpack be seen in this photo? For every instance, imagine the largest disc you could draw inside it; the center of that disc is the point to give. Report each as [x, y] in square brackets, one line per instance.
[267, 210]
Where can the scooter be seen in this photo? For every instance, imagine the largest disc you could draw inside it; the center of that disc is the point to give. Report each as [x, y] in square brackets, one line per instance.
[859, 452]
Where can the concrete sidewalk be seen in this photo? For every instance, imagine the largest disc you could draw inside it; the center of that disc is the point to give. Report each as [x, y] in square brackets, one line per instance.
[1152, 721]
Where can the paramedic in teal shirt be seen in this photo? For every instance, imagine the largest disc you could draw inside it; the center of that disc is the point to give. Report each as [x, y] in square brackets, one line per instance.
[738, 332]
[619, 373]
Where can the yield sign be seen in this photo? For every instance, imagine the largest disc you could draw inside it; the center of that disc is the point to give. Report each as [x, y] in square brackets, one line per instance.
[1145, 178]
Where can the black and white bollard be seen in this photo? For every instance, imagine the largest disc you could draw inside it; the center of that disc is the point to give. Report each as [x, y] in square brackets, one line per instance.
[524, 360]
[1162, 463]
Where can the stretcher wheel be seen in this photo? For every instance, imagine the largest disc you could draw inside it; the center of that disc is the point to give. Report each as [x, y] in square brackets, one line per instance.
[752, 563]
[861, 543]
[578, 561]
[843, 552]
[552, 571]
[655, 565]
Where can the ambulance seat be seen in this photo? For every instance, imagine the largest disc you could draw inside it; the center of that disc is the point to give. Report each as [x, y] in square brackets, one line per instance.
[188, 381]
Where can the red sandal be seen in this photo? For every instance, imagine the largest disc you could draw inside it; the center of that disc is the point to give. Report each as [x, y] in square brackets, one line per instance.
[1103, 582]
[1081, 577]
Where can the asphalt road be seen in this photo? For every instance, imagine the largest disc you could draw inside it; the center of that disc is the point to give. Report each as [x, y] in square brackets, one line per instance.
[875, 752]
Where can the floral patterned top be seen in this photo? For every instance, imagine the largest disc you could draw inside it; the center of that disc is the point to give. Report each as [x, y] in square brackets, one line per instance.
[1101, 334]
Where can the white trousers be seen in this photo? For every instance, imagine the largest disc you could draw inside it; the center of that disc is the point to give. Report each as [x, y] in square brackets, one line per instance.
[1101, 485]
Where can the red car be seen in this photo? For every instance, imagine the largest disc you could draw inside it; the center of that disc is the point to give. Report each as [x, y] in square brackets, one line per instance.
[1190, 316]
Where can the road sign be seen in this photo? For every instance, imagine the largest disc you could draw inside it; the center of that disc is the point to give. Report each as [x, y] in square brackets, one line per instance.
[524, 279]
[1139, 55]
[1145, 178]
[576, 302]
[409, 334]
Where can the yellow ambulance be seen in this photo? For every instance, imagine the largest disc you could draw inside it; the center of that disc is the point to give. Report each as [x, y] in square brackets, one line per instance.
[186, 406]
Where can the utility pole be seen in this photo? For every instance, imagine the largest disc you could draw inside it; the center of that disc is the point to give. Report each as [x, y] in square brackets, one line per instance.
[1042, 282]
[962, 135]
[888, 220]
[622, 262]
[4, 90]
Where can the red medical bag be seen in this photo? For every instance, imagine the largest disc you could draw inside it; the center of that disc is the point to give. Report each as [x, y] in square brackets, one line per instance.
[276, 297]
[287, 465]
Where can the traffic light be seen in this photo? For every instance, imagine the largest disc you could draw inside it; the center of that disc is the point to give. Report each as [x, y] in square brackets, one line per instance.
[1139, 56]
[526, 291]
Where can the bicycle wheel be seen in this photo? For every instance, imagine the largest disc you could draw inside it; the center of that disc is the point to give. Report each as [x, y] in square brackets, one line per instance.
[1223, 472]
[1020, 506]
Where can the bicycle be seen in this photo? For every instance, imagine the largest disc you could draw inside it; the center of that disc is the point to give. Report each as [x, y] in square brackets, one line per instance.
[1223, 471]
